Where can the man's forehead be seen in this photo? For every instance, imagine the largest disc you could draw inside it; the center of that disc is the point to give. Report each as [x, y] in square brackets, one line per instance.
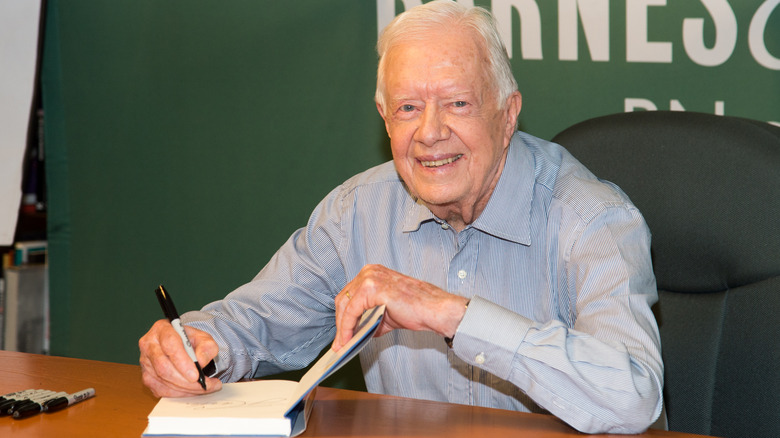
[443, 57]
[440, 52]
[458, 39]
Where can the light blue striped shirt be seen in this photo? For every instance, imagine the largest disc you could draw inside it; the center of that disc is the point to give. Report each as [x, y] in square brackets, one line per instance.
[557, 268]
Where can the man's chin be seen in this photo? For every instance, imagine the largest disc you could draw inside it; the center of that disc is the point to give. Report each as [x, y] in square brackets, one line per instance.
[437, 201]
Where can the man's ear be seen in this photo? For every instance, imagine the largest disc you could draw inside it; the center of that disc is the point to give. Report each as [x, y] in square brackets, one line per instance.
[514, 104]
[384, 117]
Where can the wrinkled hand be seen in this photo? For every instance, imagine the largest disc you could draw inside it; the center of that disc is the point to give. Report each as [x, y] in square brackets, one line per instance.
[410, 304]
[167, 369]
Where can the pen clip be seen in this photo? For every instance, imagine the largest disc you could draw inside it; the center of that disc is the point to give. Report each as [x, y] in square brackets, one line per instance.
[166, 302]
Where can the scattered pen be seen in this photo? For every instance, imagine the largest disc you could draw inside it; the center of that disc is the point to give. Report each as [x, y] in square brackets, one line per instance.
[14, 395]
[173, 316]
[58, 403]
[9, 406]
[35, 406]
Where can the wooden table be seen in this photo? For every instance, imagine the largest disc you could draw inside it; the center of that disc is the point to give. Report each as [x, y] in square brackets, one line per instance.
[122, 403]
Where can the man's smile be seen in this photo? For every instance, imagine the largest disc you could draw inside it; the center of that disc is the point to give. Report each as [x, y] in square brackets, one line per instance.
[439, 163]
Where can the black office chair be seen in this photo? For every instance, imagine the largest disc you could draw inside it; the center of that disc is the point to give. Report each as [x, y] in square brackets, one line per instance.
[709, 188]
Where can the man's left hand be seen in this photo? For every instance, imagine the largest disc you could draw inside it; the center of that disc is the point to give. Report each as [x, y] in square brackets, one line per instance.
[410, 304]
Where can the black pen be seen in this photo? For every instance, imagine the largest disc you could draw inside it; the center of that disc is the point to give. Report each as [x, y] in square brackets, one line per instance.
[166, 302]
[35, 405]
[57, 403]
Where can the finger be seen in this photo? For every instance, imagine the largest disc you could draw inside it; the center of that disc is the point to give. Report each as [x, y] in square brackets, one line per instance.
[151, 374]
[164, 353]
[205, 346]
[164, 380]
[164, 388]
[344, 300]
[172, 346]
[153, 359]
[347, 320]
[161, 374]
[340, 302]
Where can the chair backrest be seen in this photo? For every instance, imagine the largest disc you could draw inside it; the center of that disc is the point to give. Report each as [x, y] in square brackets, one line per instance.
[709, 189]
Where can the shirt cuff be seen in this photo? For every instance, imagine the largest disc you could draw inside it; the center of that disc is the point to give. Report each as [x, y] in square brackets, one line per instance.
[489, 336]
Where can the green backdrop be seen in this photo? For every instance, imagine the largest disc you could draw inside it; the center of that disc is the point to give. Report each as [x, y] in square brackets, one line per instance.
[187, 139]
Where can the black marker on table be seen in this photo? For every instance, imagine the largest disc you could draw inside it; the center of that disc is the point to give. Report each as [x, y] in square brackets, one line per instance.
[55, 404]
[35, 406]
[13, 397]
[8, 406]
[16, 395]
[173, 316]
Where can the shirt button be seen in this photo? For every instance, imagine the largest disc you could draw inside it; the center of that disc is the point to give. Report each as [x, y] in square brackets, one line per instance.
[480, 358]
[462, 274]
[445, 226]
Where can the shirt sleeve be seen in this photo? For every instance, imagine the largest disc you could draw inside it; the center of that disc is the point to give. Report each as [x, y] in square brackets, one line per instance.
[285, 316]
[604, 374]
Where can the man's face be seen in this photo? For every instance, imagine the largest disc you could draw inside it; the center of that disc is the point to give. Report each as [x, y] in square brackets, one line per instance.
[447, 132]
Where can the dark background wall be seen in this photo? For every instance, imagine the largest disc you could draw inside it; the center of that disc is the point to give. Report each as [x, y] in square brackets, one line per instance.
[187, 141]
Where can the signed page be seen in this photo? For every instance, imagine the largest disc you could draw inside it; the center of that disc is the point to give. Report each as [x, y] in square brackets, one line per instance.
[241, 408]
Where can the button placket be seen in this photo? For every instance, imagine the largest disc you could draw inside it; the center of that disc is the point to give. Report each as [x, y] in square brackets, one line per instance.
[459, 282]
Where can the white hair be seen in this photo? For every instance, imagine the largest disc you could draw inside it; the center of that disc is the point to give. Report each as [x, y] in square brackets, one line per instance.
[416, 23]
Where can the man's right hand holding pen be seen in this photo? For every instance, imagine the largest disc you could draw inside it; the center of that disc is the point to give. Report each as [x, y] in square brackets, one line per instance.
[167, 369]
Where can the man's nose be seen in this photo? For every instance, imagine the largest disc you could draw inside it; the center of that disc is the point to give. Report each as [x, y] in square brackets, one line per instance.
[433, 126]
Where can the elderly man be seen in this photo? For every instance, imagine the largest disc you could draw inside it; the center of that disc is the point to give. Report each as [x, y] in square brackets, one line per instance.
[513, 278]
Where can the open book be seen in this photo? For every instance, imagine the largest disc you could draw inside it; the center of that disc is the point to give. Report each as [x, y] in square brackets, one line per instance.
[258, 408]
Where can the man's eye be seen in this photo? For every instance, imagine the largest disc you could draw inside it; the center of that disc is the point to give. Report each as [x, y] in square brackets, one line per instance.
[407, 108]
[460, 103]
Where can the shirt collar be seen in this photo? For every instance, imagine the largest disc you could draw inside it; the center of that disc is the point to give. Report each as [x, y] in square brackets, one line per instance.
[508, 212]
[416, 214]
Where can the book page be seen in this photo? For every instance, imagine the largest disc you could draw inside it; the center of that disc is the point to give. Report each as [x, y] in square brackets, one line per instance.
[333, 360]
